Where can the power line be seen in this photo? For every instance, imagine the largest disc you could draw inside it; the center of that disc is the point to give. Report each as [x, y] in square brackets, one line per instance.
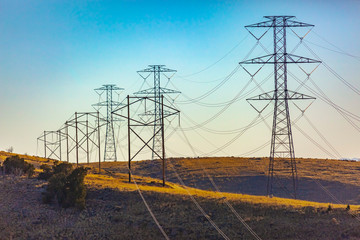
[348, 84]
[149, 209]
[322, 137]
[322, 96]
[197, 99]
[339, 50]
[239, 96]
[191, 100]
[218, 191]
[217, 61]
[196, 202]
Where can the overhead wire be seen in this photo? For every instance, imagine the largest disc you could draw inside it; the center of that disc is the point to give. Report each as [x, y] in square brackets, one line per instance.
[330, 102]
[236, 98]
[148, 208]
[214, 89]
[344, 81]
[250, 125]
[196, 202]
[313, 141]
[339, 49]
[217, 61]
[322, 137]
[321, 95]
[192, 100]
[218, 191]
[251, 152]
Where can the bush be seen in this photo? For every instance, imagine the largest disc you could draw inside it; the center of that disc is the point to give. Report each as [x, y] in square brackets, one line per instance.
[46, 173]
[55, 188]
[49, 171]
[63, 167]
[17, 165]
[75, 189]
[348, 207]
[67, 187]
[329, 208]
[10, 149]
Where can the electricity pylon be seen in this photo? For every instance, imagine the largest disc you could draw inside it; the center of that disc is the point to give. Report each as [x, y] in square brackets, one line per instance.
[282, 146]
[156, 91]
[110, 145]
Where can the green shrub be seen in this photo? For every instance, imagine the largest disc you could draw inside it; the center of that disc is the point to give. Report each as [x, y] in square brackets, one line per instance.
[46, 173]
[49, 171]
[55, 188]
[67, 187]
[329, 208]
[75, 189]
[17, 165]
[348, 207]
[63, 167]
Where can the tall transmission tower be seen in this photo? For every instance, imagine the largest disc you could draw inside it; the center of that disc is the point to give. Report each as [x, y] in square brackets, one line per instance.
[282, 154]
[156, 91]
[109, 103]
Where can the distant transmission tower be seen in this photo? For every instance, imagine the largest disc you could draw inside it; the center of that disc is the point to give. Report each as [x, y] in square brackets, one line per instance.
[156, 91]
[109, 103]
[282, 146]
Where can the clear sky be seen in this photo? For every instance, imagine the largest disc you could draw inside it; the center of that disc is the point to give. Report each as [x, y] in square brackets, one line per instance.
[54, 53]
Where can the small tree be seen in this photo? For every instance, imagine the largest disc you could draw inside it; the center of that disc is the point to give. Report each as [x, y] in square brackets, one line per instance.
[63, 167]
[329, 208]
[10, 149]
[49, 171]
[17, 165]
[55, 188]
[46, 173]
[67, 186]
[75, 189]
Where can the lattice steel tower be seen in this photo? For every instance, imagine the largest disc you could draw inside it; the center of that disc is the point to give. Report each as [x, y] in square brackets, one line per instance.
[109, 103]
[156, 91]
[282, 155]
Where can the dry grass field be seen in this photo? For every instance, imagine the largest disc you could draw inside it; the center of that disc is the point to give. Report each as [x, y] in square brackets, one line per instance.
[114, 209]
[249, 176]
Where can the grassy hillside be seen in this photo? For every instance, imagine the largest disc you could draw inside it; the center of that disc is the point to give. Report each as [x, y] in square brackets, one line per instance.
[249, 176]
[116, 211]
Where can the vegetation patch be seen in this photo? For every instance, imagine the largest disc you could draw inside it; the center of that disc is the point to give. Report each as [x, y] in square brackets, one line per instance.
[66, 185]
[18, 166]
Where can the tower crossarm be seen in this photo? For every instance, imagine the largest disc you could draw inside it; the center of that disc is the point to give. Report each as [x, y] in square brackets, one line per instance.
[166, 113]
[104, 104]
[288, 58]
[107, 86]
[291, 58]
[159, 68]
[263, 96]
[291, 95]
[272, 23]
[260, 60]
[152, 91]
[167, 91]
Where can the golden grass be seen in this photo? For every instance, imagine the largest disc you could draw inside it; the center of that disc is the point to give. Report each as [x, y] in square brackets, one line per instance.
[120, 181]
[324, 169]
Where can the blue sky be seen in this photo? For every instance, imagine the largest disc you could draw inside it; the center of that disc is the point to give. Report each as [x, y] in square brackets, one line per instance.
[54, 53]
